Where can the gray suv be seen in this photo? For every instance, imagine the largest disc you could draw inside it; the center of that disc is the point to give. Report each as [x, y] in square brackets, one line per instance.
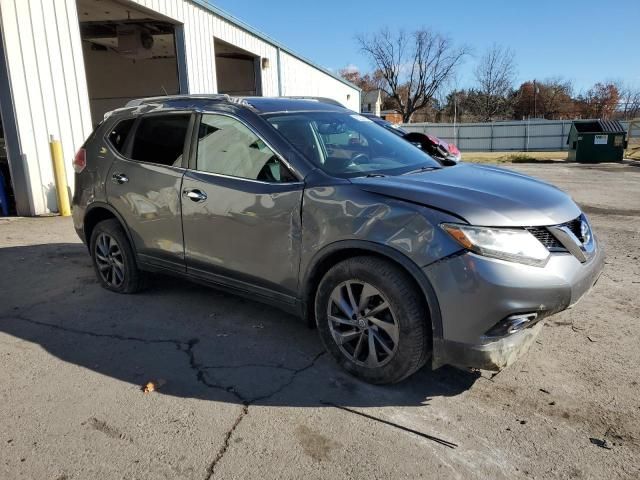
[311, 207]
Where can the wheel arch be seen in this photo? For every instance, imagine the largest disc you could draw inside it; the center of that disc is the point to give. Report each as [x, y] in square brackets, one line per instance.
[96, 213]
[336, 252]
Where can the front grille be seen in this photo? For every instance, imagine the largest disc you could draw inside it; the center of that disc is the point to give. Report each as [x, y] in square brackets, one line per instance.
[545, 237]
[550, 242]
[575, 227]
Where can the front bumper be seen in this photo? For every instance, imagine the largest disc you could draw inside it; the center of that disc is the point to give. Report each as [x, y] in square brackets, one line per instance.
[474, 293]
[494, 356]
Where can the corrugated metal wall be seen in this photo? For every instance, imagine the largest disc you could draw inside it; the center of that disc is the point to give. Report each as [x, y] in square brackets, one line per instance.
[538, 135]
[47, 75]
[42, 46]
[201, 26]
[299, 78]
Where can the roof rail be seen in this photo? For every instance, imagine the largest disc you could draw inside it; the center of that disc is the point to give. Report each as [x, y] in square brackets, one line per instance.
[330, 101]
[214, 96]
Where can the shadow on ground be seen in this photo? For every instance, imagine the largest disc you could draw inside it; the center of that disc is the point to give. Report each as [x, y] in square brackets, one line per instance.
[199, 342]
[535, 160]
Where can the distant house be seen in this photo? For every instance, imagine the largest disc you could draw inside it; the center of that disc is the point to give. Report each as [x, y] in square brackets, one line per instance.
[372, 102]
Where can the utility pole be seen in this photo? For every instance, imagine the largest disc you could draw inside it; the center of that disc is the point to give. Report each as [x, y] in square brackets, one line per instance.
[535, 95]
[455, 114]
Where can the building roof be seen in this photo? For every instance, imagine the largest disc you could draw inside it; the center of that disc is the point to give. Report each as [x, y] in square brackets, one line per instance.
[372, 96]
[248, 28]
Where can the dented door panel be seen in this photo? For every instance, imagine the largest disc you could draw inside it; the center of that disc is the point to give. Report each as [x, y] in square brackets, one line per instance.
[245, 230]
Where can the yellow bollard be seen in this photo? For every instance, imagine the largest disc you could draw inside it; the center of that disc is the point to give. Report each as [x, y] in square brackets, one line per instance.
[60, 176]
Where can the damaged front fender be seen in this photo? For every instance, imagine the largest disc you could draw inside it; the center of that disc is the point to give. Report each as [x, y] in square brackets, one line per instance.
[344, 212]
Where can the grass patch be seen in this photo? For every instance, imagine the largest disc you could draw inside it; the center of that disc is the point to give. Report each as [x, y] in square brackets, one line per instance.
[514, 157]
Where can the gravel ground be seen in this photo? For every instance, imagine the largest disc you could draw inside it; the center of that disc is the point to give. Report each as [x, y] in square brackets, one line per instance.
[246, 392]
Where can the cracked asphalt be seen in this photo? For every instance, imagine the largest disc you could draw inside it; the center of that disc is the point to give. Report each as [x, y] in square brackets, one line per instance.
[245, 391]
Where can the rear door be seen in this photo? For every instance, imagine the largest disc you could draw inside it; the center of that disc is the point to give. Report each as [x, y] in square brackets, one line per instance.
[241, 211]
[144, 185]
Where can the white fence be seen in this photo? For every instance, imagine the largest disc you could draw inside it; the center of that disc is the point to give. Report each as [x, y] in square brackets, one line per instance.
[538, 135]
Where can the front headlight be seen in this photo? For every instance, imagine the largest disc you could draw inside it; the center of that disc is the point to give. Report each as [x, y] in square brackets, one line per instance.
[514, 245]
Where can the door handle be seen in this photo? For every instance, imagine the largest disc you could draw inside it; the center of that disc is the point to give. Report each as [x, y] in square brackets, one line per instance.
[195, 195]
[119, 178]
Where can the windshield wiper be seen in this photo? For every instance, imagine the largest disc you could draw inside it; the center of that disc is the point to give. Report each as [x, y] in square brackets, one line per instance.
[372, 175]
[421, 169]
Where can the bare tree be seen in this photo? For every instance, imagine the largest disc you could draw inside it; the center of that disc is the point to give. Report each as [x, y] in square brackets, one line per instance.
[495, 76]
[629, 101]
[413, 66]
[367, 82]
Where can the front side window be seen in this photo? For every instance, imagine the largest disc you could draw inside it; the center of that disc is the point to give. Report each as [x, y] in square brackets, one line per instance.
[349, 145]
[160, 139]
[228, 147]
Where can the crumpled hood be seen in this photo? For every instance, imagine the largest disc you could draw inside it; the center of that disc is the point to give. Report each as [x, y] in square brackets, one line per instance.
[481, 195]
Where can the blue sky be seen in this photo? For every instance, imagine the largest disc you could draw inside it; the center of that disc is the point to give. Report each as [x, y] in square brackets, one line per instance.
[584, 41]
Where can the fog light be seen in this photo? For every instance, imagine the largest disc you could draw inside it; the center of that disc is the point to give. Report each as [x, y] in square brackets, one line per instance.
[512, 324]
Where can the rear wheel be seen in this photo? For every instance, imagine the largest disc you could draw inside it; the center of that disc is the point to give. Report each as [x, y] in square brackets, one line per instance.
[113, 258]
[373, 319]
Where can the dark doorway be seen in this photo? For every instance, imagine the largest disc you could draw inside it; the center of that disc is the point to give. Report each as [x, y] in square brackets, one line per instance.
[14, 183]
[238, 71]
[7, 199]
[129, 52]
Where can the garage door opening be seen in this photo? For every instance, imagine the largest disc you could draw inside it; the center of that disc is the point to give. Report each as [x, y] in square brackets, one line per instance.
[10, 159]
[128, 52]
[238, 72]
[7, 200]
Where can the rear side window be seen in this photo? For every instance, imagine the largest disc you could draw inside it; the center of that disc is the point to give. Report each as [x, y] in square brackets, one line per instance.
[160, 139]
[118, 135]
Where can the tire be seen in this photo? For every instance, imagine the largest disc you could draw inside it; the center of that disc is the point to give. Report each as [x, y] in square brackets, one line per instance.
[111, 253]
[403, 327]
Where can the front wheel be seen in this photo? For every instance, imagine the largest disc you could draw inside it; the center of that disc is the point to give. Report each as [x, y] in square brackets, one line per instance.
[373, 319]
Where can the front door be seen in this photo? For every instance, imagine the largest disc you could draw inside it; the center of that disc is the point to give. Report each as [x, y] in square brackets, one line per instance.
[241, 211]
[144, 186]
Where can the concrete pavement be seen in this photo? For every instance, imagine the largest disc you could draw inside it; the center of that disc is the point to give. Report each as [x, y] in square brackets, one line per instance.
[247, 391]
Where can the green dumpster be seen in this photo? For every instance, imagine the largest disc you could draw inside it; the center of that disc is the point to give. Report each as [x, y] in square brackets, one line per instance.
[592, 141]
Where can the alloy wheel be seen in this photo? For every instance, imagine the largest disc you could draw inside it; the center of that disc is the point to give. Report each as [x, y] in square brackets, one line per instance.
[363, 324]
[109, 260]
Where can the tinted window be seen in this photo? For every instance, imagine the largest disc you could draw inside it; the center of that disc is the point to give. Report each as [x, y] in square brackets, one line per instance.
[119, 133]
[348, 144]
[160, 139]
[228, 147]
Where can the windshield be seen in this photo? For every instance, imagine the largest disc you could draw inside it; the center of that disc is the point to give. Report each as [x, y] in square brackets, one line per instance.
[349, 145]
[391, 127]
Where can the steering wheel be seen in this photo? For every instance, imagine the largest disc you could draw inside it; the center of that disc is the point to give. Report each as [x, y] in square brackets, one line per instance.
[358, 158]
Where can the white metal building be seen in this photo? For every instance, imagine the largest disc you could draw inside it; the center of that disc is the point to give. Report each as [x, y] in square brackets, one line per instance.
[64, 63]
